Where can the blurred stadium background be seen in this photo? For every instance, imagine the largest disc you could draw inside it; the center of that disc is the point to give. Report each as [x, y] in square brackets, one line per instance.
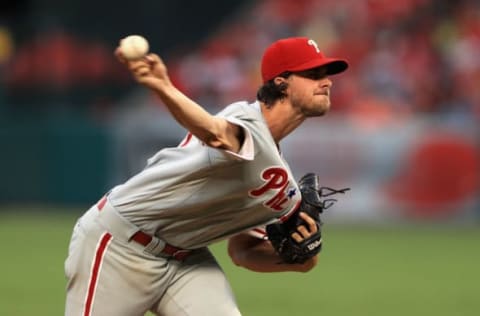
[404, 134]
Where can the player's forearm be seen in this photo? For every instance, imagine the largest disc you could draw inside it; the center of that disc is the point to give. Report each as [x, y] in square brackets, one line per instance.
[258, 255]
[211, 130]
[268, 261]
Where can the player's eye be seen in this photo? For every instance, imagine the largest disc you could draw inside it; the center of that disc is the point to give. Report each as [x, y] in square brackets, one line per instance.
[314, 74]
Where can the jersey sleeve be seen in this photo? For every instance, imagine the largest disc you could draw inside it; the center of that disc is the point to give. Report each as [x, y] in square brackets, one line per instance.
[250, 119]
[258, 232]
[247, 150]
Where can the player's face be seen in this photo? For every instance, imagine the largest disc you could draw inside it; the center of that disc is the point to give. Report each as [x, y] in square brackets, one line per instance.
[309, 91]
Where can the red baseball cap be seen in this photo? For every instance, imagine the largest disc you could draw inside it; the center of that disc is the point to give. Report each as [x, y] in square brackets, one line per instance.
[297, 54]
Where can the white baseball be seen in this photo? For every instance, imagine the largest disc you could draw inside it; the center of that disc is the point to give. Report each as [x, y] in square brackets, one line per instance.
[134, 47]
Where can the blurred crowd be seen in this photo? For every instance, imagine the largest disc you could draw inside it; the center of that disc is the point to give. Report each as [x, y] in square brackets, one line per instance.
[404, 116]
[406, 57]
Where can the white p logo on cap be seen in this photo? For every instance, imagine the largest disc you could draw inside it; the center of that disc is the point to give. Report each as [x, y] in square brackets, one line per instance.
[314, 44]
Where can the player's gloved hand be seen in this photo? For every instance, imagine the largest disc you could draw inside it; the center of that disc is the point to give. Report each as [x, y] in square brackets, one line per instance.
[298, 239]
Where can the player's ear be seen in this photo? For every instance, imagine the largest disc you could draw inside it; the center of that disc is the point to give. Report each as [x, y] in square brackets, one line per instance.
[279, 80]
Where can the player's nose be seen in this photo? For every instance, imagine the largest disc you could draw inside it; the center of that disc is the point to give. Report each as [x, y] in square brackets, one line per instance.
[326, 82]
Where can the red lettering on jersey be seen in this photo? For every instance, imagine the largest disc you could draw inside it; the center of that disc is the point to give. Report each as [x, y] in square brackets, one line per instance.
[278, 199]
[276, 179]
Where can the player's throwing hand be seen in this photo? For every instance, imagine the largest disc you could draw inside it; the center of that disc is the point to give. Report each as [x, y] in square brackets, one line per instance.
[149, 70]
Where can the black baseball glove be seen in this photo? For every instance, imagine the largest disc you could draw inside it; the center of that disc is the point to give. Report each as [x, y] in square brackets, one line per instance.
[280, 234]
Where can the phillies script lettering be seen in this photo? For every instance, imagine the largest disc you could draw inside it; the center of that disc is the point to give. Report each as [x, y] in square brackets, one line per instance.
[276, 179]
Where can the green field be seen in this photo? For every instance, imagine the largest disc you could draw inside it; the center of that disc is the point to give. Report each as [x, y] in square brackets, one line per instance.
[404, 271]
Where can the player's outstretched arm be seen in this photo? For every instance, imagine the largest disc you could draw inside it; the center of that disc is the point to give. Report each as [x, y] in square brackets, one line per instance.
[258, 255]
[213, 131]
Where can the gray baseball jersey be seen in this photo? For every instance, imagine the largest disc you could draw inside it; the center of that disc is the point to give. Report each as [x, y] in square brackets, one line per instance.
[193, 195]
[189, 196]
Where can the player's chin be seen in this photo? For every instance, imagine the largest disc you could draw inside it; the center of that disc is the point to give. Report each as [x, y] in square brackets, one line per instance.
[319, 110]
[323, 105]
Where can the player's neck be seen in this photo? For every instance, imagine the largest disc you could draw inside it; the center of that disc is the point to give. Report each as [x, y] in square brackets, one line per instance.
[281, 119]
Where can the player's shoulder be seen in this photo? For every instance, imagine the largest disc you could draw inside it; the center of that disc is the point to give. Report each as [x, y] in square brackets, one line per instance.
[242, 110]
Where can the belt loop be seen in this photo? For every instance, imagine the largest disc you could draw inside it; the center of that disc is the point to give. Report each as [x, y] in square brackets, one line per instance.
[155, 246]
[116, 224]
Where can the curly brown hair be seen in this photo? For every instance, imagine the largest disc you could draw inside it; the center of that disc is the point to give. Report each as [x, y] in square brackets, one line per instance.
[270, 92]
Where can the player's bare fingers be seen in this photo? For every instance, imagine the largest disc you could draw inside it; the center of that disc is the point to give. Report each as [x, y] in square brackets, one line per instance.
[297, 237]
[156, 63]
[312, 225]
[142, 71]
[152, 59]
[120, 56]
[135, 65]
[303, 231]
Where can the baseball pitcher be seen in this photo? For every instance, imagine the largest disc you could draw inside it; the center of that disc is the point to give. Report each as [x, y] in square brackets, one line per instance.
[143, 246]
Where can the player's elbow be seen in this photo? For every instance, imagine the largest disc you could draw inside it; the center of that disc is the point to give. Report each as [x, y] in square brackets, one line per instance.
[213, 140]
[239, 247]
[224, 135]
[236, 256]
